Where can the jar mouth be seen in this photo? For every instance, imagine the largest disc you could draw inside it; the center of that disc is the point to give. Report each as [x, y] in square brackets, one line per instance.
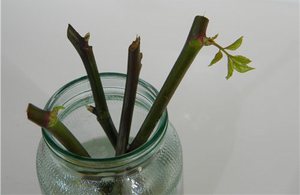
[131, 156]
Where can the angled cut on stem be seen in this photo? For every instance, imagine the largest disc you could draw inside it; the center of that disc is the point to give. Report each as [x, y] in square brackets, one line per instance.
[86, 53]
[133, 71]
[191, 48]
[49, 121]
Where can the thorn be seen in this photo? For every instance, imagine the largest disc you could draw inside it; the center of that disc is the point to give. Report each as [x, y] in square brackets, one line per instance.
[90, 108]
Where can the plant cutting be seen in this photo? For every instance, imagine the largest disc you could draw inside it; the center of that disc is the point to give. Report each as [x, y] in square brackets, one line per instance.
[132, 151]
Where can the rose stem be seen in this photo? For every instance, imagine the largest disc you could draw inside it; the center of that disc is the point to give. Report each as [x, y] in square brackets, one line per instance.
[51, 123]
[133, 71]
[191, 48]
[86, 53]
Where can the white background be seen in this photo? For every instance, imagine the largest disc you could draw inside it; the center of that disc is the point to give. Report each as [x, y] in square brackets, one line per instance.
[239, 136]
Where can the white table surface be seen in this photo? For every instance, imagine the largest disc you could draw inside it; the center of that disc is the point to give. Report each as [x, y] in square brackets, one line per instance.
[239, 136]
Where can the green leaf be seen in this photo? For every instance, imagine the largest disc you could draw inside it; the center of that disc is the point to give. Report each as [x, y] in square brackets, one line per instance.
[230, 68]
[240, 63]
[241, 59]
[217, 58]
[235, 45]
[214, 37]
[242, 68]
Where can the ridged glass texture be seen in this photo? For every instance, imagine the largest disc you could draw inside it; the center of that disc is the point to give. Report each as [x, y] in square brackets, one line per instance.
[154, 168]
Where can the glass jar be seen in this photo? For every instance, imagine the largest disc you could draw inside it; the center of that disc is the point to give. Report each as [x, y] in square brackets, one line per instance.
[153, 168]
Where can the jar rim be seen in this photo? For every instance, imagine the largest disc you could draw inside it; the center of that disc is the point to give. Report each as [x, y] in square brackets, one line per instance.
[145, 149]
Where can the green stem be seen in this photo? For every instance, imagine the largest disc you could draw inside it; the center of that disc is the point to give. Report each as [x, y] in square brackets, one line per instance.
[50, 122]
[220, 47]
[191, 48]
[133, 71]
[86, 53]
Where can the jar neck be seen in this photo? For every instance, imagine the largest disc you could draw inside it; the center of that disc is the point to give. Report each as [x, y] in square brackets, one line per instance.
[113, 165]
[130, 161]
